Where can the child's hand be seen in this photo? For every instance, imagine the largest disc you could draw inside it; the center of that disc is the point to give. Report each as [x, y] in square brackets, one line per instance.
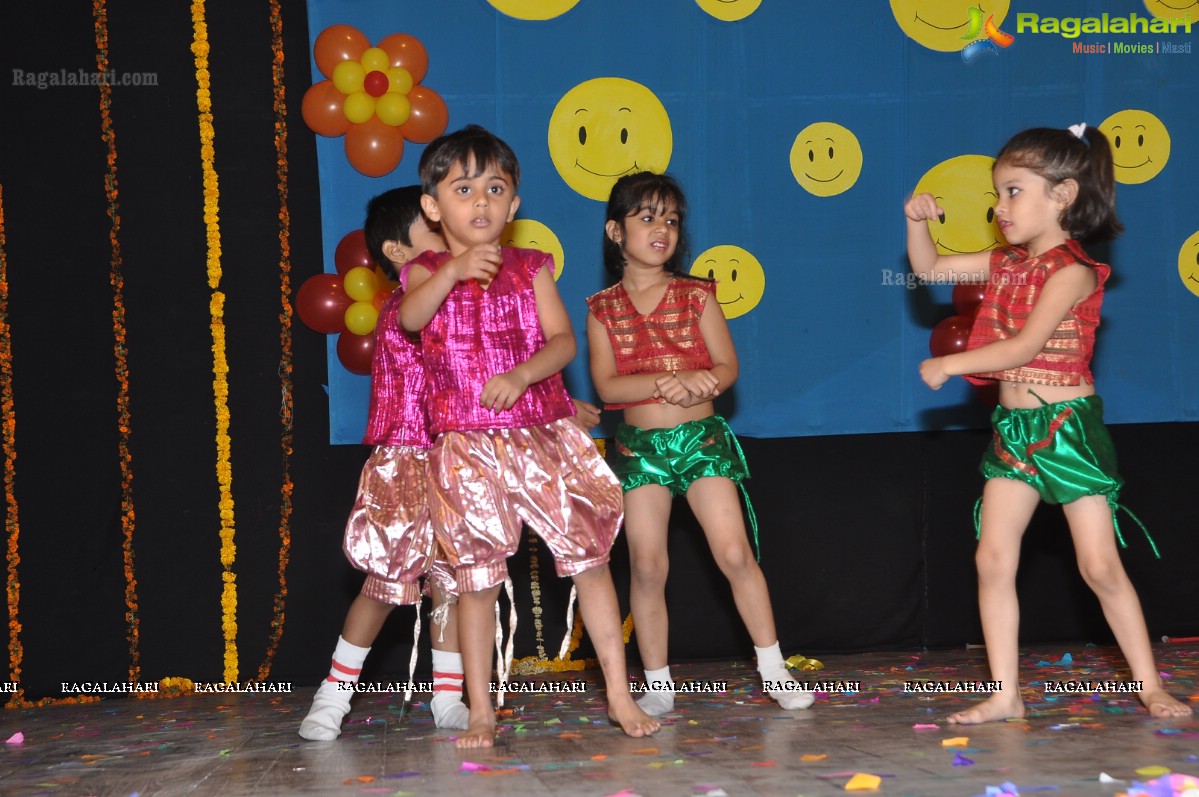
[480, 262]
[587, 416]
[923, 207]
[501, 391]
[932, 371]
[701, 384]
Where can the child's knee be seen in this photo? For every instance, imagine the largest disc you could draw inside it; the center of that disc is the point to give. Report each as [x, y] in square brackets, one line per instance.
[650, 569]
[995, 564]
[1102, 573]
[735, 559]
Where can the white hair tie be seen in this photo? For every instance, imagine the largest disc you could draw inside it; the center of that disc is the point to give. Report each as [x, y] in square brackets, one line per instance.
[1078, 129]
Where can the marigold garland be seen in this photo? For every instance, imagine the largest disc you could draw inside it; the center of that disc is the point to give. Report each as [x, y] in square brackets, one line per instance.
[220, 365]
[117, 279]
[16, 652]
[285, 339]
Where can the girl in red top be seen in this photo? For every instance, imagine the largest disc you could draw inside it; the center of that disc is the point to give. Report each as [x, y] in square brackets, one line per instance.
[661, 351]
[1034, 333]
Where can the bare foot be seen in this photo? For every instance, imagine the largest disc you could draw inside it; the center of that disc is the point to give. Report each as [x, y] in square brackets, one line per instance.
[1163, 705]
[479, 733]
[998, 706]
[631, 719]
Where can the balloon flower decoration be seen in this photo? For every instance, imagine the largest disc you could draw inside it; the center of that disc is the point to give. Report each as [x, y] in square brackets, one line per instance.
[373, 97]
[347, 303]
[952, 334]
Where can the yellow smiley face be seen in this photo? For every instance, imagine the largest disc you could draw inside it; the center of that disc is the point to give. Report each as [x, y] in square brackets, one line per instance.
[729, 10]
[605, 128]
[826, 158]
[1171, 9]
[964, 190]
[1188, 263]
[740, 280]
[533, 9]
[947, 25]
[532, 234]
[1140, 145]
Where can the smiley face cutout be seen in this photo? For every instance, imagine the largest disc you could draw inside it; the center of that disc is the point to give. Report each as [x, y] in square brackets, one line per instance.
[945, 25]
[740, 280]
[1188, 263]
[729, 10]
[1171, 9]
[1140, 145]
[826, 159]
[533, 9]
[532, 234]
[605, 128]
[963, 189]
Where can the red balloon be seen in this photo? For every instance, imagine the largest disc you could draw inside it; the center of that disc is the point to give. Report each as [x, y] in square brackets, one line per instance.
[408, 52]
[355, 352]
[429, 116]
[950, 336]
[322, 110]
[967, 296]
[338, 43]
[351, 252]
[374, 148]
[322, 302]
[375, 83]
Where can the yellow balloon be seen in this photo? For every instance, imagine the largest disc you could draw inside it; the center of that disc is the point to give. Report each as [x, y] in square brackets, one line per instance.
[399, 80]
[347, 77]
[361, 318]
[374, 60]
[359, 107]
[360, 284]
[393, 109]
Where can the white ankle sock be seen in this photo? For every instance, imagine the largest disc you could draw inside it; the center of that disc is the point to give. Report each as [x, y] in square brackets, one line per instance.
[448, 709]
[659, 699]
[332, 703]
[778, 683]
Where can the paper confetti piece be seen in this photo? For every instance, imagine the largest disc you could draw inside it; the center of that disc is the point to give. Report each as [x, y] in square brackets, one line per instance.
[472, 766]
[624, 793]
[863, 782]
[1153, 771]
[813, 756]
[16, 738]
[1106, 778]
[957, 741]
[763, 764]
[960, 760]
[646, 751]
[925, 726]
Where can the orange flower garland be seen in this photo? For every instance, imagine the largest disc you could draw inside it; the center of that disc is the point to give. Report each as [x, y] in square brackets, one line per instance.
[220, 365]
[16, 652]
[117, 279]
[285, 361]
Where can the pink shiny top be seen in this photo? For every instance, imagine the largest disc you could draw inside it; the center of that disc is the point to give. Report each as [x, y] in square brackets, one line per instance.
[667, 339]
[477, 334]
[397, 414]
[1015, 284]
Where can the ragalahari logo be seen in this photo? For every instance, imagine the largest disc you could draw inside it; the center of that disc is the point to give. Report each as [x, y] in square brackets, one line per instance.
[984, 37]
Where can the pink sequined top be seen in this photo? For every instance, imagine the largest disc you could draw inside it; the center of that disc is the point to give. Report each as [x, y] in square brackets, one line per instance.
[668, 339]
[477, 334]
[1015, 283]
[397, 414]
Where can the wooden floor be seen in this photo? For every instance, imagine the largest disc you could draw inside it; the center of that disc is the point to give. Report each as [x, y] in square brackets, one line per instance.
[736, 743]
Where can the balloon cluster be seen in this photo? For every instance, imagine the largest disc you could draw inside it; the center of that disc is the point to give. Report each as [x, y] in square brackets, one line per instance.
[347, 303]
[372, 96]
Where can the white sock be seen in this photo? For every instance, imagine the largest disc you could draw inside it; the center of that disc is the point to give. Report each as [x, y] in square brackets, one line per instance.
[448, 709]
[332, 703]
[778, 683]
[660, 700]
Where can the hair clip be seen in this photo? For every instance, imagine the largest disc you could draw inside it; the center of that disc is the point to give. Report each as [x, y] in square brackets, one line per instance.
[1078, 129]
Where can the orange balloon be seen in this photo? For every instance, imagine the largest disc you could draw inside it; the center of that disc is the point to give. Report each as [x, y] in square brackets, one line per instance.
[408, 52]
[322, 110]
[374, 148]
[338, 43]
[428, 118]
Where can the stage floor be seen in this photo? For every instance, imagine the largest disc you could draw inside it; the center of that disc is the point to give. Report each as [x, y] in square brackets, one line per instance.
[735, 743]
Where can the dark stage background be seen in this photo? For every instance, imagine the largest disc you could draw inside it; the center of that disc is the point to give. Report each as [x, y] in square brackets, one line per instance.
[866, 540]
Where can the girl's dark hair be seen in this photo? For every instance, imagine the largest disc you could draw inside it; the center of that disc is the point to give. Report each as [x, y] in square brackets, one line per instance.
[1059, 155]
[389, 217]
[630, 194]
[460, 148]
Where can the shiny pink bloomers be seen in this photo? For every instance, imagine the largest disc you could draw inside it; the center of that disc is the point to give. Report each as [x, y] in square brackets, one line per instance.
[389, 534]
[484, 483]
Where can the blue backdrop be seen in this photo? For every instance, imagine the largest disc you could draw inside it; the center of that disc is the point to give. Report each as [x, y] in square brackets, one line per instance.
[834, 344]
